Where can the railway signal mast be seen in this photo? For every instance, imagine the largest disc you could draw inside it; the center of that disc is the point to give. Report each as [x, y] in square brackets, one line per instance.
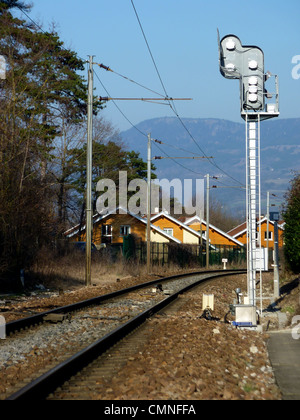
[246, 63]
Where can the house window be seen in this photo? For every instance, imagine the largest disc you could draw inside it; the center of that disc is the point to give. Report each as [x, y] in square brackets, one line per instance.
[106, 230]
[106, 234]
[270, 236]
[125, 230]
[169, 231]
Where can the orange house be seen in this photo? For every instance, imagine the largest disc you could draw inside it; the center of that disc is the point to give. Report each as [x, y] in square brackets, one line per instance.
[193, 231]
[216, 235]
[240, 233]
[114, 226]
[177, 229]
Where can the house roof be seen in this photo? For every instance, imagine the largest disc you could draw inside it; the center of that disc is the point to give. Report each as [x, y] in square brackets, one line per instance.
[241, 229]
[99, 218]
[178, 222]
[221, 232]
[235, 231]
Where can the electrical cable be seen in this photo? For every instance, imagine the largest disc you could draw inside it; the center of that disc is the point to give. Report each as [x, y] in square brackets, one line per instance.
[155, 140]
[119, 109]
[171, 103]
[148, 46]
[144, 134]
[38, 26]
[172, 106]
[136, 83]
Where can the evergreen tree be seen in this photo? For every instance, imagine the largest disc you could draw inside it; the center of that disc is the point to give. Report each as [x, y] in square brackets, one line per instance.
[11, 4]
[108, 160]
[42, 89]
[292, 228]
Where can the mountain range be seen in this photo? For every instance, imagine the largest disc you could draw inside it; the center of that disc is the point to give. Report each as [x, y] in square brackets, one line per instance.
[225, 142]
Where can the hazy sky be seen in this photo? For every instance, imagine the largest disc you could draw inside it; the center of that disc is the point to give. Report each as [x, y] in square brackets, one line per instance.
[182, 35]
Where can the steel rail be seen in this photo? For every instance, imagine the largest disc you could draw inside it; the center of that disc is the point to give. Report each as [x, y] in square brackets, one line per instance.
[50, 381]
[14, 326]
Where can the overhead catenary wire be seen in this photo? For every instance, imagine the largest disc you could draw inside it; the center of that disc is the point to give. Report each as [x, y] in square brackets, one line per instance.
[155, 140]
[142, 133]
[107, 99]
[165, 96]
[149, 49]
[172, 106]
[169, 99]
[179, 157]
[107, 68]
[158, 73]
[212, 161]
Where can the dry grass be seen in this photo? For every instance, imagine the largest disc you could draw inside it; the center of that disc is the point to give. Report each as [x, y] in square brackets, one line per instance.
[289, 301]
[68, 272]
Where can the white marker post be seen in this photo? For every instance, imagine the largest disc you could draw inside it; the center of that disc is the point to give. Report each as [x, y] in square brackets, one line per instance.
[2, 328]
[224, 261]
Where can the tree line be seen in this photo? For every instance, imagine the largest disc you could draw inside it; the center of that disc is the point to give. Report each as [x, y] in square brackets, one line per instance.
[291, 214]
[43, 107]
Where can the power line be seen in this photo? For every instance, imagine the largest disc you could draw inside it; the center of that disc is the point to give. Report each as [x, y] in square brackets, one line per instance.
[158, 73]
[130, 80]
[148, 46]
[119, 109]
[166, 96]
[172, 105]
[156, 142]
[144, 134]
[26, 14]
[174, 147]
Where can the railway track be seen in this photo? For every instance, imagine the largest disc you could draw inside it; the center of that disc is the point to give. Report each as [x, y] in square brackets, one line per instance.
[70, 364]
[25, 323]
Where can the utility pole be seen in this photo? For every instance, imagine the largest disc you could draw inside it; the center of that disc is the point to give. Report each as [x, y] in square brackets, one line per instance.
[207, 221]
[268, 220]
[276, 261]
[149, 161]
[269, 205]
[89, 153]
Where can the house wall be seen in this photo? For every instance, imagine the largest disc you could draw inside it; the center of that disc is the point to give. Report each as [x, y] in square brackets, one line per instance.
[158, 238]
[243, 237]
[215, 237]
[164, 223]
[116, 221]
[271, 241]
[137, 228]
[189, 238]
